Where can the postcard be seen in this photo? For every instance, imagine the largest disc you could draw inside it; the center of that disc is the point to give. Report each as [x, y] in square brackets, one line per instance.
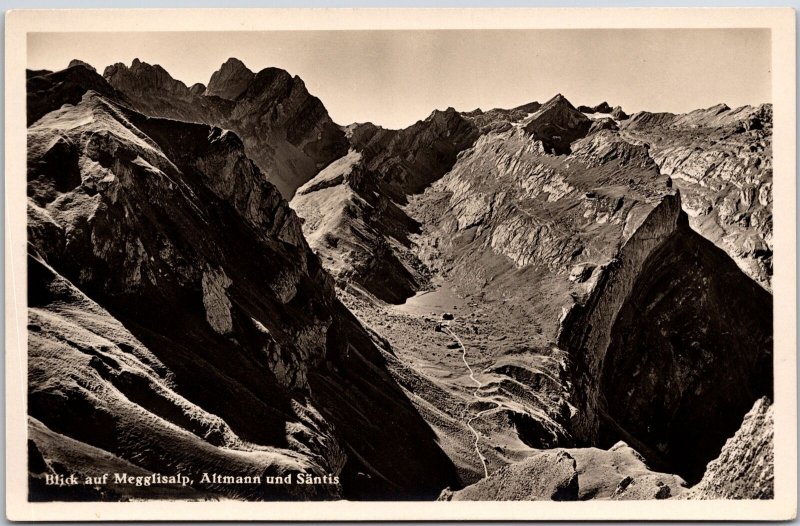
[428, 264]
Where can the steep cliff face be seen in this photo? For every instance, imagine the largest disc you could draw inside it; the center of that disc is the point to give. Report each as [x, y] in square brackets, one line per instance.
[199, 276]
[285, 130]
[409, 160]
[671, 348]
[721, 159]
[100, 401]
[508, 208]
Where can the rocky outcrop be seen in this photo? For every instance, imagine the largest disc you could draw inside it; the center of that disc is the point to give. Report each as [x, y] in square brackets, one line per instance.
[603, 124]
[618, 473]
[603, 107]
[75, 62]
[551, 475]
[619, 114]
[197, 89]
[48, 91]
[621, 473]
[746, 465]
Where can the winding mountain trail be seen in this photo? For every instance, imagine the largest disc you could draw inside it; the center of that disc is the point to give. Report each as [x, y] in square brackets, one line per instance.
[475, 394]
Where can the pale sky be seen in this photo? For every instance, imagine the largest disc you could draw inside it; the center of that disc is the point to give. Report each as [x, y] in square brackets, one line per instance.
[394, 78]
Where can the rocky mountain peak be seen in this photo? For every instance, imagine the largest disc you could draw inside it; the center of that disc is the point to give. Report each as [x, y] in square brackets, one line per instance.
[603, 107]
[141, 76]
[618, 113]
[75, 62]
[230, 80]
[445, 117]
[557, 124]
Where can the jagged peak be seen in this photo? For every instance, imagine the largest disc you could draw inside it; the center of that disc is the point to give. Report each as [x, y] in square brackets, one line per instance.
[560, 104]
[557, 124]
[144, 74]
[448, 112]
[137, 66]
[140, 65]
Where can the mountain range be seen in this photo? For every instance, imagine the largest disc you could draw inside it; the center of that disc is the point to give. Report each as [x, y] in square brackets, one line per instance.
[543, 302]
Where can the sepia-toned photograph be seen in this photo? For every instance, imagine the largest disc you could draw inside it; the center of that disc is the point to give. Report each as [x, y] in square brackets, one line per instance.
[401, 265]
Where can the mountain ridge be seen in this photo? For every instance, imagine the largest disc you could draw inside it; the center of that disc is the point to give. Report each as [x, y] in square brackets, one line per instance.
[307, 269]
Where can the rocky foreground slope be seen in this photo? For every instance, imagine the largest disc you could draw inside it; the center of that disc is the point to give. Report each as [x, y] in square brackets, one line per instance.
[605, 281]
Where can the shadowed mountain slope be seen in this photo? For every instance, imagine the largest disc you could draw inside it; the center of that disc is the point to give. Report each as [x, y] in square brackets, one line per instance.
[208, 312]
